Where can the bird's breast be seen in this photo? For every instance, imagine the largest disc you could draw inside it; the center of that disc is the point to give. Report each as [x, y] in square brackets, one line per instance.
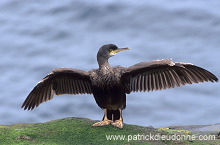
[104, 79]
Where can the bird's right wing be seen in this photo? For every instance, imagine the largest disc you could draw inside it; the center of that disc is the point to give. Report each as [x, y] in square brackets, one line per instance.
[162, 74]
[59, 81]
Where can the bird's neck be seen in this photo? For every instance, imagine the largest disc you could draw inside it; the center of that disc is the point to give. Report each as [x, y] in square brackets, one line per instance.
[103, 64]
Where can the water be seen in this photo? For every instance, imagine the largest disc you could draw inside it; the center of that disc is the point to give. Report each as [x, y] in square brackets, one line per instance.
[38, 36]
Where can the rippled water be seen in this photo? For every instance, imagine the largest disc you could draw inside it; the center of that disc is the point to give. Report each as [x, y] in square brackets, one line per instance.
[38, 36]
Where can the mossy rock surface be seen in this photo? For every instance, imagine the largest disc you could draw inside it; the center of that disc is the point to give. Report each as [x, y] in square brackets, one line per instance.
[71, 131]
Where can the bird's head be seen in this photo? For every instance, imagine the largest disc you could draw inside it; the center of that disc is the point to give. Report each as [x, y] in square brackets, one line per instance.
[109, 50]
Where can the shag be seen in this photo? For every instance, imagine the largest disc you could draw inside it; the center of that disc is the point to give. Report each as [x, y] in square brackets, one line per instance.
[109, 85]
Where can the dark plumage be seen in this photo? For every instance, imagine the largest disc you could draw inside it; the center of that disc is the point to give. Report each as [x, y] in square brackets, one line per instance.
[109, 85]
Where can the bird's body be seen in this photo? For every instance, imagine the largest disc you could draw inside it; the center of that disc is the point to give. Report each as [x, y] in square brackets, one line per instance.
[107, 88]
[109, 85]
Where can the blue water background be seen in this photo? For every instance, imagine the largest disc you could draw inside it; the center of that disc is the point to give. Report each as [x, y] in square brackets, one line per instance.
[38, 36]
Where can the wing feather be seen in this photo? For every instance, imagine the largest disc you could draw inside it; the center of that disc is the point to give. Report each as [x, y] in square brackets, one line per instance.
[146, 83]
[158, 82]
[163, 74]
[150, 83]
[143, 82]
[59, 81]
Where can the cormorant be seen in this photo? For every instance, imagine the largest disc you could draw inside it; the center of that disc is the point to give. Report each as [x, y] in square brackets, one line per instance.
[109, 85]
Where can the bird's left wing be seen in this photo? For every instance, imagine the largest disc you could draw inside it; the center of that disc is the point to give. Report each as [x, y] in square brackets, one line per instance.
[162, 74]
[59, 81]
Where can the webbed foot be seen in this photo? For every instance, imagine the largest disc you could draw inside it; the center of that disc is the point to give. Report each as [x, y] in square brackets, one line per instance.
[102, 123]
[118, 123]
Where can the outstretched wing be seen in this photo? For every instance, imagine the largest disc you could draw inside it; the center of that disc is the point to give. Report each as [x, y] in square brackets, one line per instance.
[162, 74]
[59, 81]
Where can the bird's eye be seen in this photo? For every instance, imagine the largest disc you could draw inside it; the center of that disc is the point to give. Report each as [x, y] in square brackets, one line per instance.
[111, 50]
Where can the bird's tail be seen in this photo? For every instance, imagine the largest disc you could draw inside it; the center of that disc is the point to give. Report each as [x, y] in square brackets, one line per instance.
[113, 115]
